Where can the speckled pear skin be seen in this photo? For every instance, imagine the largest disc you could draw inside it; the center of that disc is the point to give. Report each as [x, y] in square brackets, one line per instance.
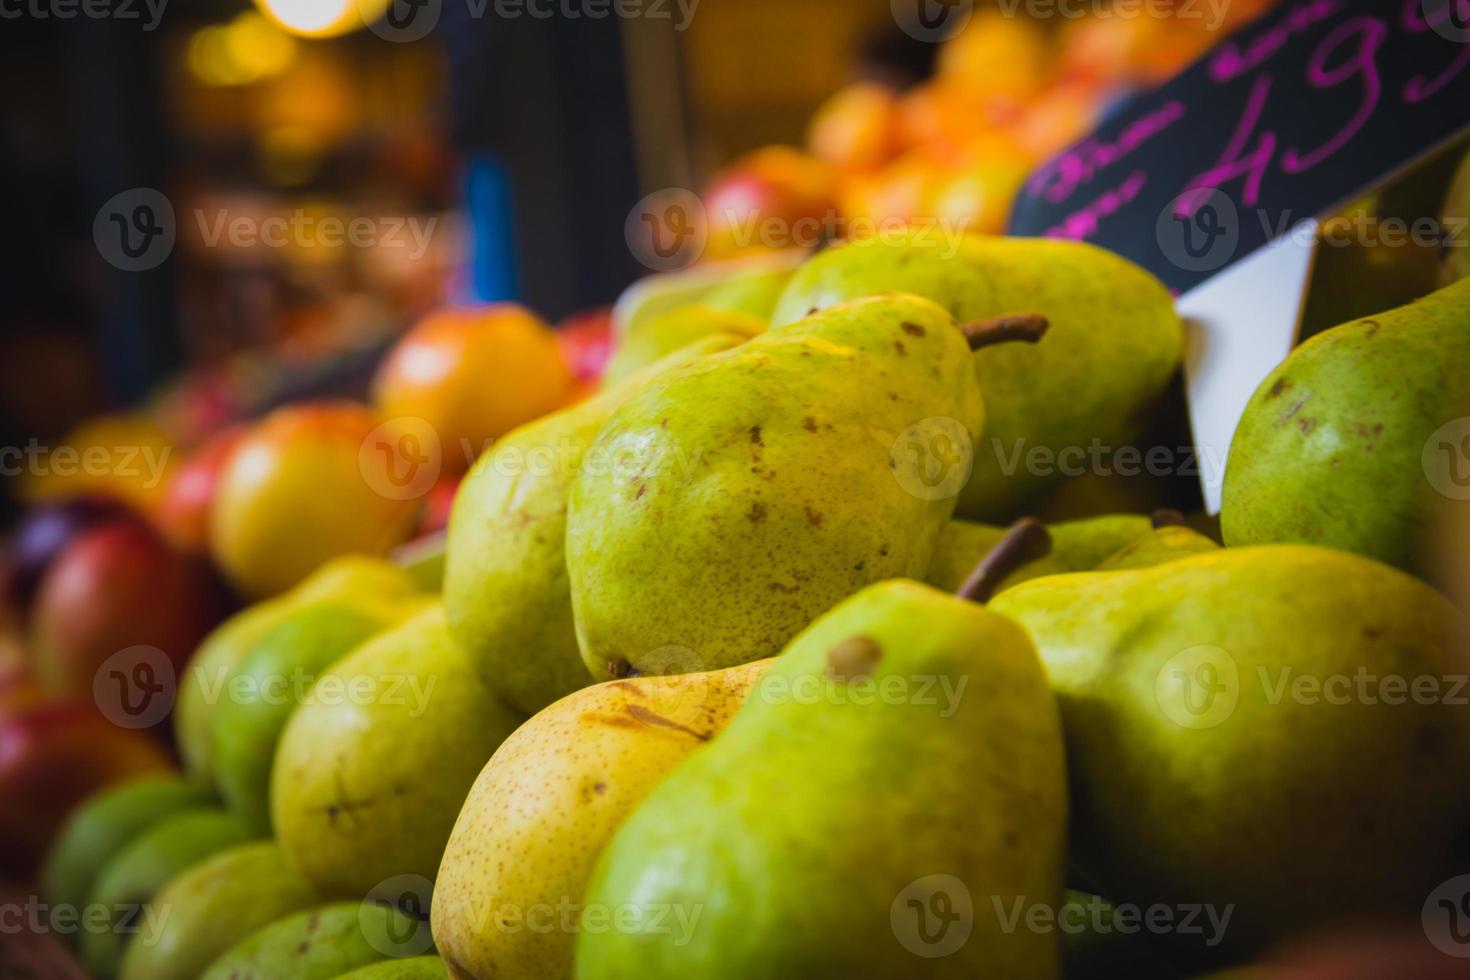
[505, 587]
[1198, 775]
[1331, 449]
[1113, 347]
[750, 491]
[1157, 547]
[1077, 546]
[549, 800]
[755, 831]
[317, 944]
[349, 814]
[646, 343]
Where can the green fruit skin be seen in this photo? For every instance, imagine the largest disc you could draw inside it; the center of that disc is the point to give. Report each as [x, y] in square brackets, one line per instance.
[1456, 262]
[134, 876]
[1077, 546]
[212, 906]
[354, 578]
[350, 815]
[754, 293]
[759, 832]
[1157, 548]
[748, 492]
[1114, 344]
[1228, 786]
[1096, 946]
[506, 592]
[317, 944]
[103, 825]
[1332, 449]
[271, 678]
[655, 339]
[418, 968]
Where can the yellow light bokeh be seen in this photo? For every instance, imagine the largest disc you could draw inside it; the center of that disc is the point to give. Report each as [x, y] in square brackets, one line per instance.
[322, 18]
[247, 49]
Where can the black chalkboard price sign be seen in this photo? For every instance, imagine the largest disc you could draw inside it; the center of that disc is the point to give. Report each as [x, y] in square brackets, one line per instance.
[1289, 117]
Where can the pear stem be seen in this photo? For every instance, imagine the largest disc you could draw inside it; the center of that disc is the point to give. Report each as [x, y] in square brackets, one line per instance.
[1167, 517]
[1028, 327]
[1026, 541]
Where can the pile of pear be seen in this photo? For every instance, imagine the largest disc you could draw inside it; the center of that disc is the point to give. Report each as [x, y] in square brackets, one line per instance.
[754, 664]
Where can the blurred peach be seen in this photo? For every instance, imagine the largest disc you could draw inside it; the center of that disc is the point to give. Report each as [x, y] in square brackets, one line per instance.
[858, 128]
[473, 374]
[52, 756]
[117, 585]
[124, 456]
[312, 482]
[949, 113]
[183, 509]
[997, 54]
[900, 191]
[977, 196]
[766, 200]
[1061, 117]
[586, 340]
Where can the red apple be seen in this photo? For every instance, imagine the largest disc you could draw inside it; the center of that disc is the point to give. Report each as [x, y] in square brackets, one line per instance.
[183, 510]
[117, 586]
[52, 756]
[771, 199]
[41, 535]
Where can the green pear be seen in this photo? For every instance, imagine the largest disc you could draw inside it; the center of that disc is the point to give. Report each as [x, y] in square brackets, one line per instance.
[751, 490]
[753, 292]
[1270, 731]
[352, 578]
[418, 968]
[212, 906]
[1077, 546]
[1357, 436]
[103, 825]
[318, 944]
[1114, 346]
[523, 847]
[661, 336]
[1165, 544]
[758, 858]
[505, 590]
[270, 682]
[350, 815]
[127, 884]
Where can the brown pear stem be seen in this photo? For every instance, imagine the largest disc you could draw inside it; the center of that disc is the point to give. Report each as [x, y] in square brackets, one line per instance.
[1028, 327]
[1026, 541]
[1167, 517]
